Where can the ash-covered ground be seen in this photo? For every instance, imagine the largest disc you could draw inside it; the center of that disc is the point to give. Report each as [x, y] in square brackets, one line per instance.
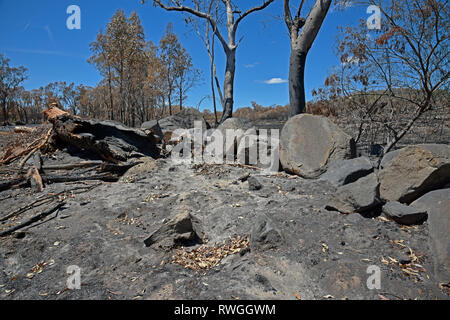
[297, 249]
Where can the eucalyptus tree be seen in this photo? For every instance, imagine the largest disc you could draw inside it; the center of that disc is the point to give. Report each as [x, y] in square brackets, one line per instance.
[234, 16]
[10, 79]
[302, 33]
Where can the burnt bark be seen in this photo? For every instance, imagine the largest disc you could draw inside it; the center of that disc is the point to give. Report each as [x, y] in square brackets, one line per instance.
[302, 32]
[297, 100]
[110, 141]
[228, 87]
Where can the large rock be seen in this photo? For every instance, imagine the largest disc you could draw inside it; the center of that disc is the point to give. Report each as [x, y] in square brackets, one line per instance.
[181, 230]
[235, 124]
[185, 119]
[309, 144]
[348, 171]
[437, 204]
[239, 135]
[236, 140]
[359, 196]
[411, 172]
[404, 214]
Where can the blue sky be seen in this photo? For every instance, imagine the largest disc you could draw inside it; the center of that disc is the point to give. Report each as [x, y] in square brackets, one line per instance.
[34, 34]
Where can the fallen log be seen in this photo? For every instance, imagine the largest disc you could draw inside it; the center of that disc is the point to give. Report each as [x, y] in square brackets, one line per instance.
[106, 176]
[25, 181]
[5, 185]
[36, 218]
[46, 199]
[22, 129]
[70, 166]
[55, 167]
[35, 203]
[109, 140]
[119, 169]
[40, 145]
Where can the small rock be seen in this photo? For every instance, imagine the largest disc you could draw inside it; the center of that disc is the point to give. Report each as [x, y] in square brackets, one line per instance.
[264, 282]
[289, 186]
[244, 177]
[254, 184]
[265, 235]
[182, 229]
[404, 214]
[403, 258]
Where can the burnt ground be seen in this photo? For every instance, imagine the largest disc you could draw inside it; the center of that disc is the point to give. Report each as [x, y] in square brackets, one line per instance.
[102, 228]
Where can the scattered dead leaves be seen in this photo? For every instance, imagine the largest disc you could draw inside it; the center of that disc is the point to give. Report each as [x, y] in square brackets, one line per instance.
[39, 267]
[207, 257]
[212, 169]
[154, 196]
[413, 268]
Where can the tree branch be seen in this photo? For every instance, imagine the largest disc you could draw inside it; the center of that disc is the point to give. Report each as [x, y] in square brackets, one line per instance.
[199, 14]
[287, 15]
[254, 9]
[313, 24]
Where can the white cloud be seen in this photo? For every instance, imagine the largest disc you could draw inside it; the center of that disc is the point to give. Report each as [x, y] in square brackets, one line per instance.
[275, 81]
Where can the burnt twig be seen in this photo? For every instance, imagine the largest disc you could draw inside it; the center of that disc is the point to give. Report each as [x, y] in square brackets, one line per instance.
[33, 219]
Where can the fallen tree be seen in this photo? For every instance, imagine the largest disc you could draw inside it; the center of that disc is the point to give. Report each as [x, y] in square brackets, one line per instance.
[115, 144]
[109, 140]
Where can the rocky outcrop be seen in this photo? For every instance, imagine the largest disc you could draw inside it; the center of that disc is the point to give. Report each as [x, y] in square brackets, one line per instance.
[437, 204]
[359, 196]
[310, 144]
[404, 214]
[411, 172]
[348, 171]
[185, 119]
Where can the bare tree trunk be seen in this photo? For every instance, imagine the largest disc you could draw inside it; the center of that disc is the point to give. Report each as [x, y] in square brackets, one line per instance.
[4, 111]
[297, 100]
[213, 92]
[229, 85]
[181, 98]
[300, 45]
[111, 97]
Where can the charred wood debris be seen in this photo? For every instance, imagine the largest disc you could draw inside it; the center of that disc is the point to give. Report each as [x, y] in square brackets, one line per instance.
[106, 149]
